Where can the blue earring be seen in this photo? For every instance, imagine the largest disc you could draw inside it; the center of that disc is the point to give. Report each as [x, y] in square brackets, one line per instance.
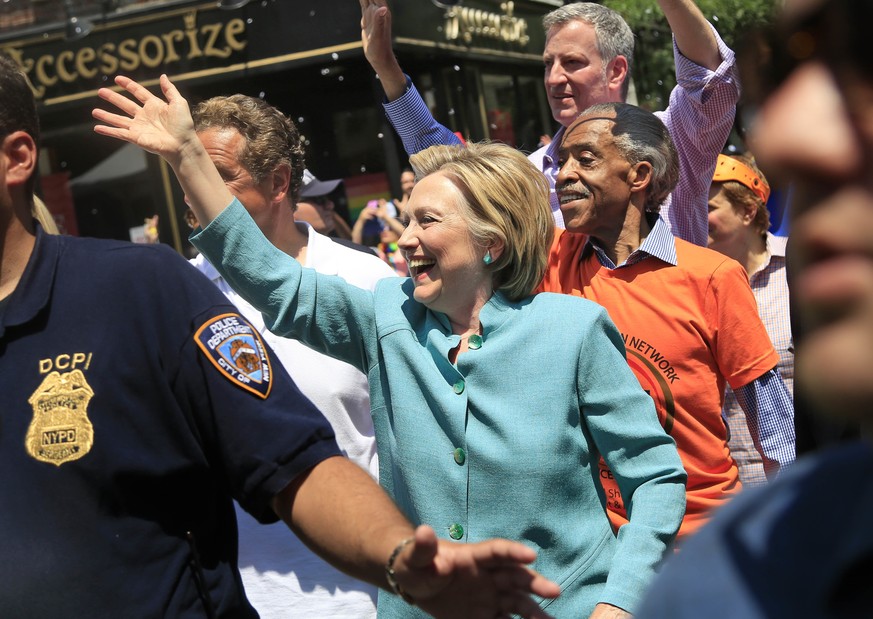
[487, 259]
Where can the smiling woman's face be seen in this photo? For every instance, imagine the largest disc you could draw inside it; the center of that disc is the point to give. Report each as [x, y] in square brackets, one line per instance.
[444, 262]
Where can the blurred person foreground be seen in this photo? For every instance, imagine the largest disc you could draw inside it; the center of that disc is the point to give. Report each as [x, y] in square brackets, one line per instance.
[803, 545]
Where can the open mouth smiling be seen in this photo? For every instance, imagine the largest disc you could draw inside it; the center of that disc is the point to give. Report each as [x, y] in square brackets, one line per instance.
[567, 196]
[418, 266]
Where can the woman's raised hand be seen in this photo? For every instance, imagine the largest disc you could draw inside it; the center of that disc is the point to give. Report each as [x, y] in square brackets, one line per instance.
[164, 126]
[160, 126]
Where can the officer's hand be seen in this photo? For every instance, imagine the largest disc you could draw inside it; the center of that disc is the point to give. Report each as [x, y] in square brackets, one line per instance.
[483, 580]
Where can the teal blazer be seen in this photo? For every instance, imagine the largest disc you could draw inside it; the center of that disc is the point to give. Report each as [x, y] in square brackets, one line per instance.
[505, 442]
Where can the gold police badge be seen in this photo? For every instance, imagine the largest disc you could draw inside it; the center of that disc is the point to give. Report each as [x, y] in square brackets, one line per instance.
[60, 431]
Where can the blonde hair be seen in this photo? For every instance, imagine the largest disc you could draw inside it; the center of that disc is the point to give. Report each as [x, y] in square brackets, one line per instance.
[43, 216]
[506, 200]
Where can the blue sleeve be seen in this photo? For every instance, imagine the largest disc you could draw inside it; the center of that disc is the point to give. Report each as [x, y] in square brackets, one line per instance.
[769, 411]
[322, 311]
[414, 123]
[241, 411]
[643, 458]
[262, 437]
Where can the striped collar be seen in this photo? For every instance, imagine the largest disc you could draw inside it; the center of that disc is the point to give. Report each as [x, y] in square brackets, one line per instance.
[660, 244]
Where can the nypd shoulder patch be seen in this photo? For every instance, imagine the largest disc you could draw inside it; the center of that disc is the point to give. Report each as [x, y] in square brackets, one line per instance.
[236, 349]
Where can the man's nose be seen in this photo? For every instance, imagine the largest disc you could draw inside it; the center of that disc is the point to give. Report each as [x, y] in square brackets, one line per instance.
[563, 174]
[555, 75]
[804, 128]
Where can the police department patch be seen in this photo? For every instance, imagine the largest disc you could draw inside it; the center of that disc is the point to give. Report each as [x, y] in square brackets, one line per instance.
[237, 350]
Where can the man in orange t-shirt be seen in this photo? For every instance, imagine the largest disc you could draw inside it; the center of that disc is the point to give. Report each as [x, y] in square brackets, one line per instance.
[687, 314]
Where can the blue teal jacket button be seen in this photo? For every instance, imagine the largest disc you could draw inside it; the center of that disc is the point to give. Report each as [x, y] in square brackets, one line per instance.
[474, 342]
[456, 531]
[458, 387]
[460, 456]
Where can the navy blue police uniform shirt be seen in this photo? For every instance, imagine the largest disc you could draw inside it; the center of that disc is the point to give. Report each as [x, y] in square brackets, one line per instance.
[136, 402]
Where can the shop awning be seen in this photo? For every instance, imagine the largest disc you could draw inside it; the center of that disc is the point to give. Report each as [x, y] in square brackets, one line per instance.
[128, 160]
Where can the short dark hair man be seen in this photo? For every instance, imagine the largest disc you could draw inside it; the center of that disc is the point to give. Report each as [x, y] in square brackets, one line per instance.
[687, 313]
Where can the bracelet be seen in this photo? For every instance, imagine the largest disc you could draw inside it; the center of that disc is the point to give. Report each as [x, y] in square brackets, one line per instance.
[389, 571]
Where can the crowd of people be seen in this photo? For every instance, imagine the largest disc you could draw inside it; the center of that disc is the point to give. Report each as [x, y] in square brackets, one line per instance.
[566, 370]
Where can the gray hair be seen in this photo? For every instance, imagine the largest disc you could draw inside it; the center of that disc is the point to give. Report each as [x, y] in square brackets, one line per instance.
[614, 37]
[641, 136]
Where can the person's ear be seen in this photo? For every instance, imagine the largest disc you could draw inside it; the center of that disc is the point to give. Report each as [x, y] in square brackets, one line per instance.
[280, 182]
[616, 73]
[495, 249]
[748, 213]
[640, 176]
[20, 152]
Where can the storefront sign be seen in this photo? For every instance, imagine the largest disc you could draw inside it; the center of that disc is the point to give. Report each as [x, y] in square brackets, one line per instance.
[468, 25]
[502, 28]
[162, 49]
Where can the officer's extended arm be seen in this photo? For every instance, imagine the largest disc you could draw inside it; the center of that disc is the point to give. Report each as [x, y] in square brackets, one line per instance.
[340, 512]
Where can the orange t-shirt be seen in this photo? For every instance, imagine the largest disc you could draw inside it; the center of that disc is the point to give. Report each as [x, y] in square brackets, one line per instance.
[686, 330]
